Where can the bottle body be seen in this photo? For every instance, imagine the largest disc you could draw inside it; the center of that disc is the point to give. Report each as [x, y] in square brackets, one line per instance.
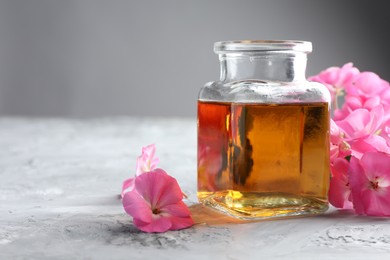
[263, 147]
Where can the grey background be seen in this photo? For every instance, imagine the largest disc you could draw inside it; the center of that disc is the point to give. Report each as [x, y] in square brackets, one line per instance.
[91, 58]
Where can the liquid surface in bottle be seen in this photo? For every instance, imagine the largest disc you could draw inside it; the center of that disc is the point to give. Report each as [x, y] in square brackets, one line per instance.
[263, 160]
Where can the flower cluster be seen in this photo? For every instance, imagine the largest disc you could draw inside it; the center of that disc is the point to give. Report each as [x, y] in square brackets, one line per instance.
[153, 198]
[360, 140]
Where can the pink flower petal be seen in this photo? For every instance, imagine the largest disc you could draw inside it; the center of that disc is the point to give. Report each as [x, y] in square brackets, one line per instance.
[372, 102]
[358, 182]
[158, 224]
[368, 83]
[179, 214]
[377, 116]
[147, 161]
[355, 124]
[335, 78]
[362, 123]
[338, 147]
[339, 190]
[340, 169]
[347, 74]
[137, 207]
[128, 185]
[384, 201]
[376, 164]
[178, 209]
[373, 169]
[371, 205]
[353, 102]
[376, 205]
[335, 135]
[158, 188]
[181, 222]
[339, 194]
[369, 144]
[341, 114]
[385, 95]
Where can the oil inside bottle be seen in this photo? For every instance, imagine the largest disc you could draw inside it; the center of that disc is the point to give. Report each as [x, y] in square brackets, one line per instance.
[263, 160]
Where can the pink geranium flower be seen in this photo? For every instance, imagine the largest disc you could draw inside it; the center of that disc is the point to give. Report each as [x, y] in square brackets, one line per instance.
[339, 190]
[370, 184]
[360, 129]
[146, 162]
[156, 203]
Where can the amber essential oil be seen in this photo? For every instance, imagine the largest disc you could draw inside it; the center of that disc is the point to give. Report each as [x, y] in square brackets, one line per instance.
[263, 160]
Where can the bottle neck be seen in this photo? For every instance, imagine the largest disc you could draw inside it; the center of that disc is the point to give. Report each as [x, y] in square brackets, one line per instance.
[267, 66]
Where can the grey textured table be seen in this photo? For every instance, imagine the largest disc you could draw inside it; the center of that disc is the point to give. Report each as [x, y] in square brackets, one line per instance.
[60, 181]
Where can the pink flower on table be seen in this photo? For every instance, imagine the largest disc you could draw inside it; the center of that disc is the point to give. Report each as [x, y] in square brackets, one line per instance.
[156, 203]
[145, 162]
[339, 190]
[370, 184]
[336, 79]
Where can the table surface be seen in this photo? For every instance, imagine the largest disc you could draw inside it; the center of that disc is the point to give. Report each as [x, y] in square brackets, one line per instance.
[60, 181]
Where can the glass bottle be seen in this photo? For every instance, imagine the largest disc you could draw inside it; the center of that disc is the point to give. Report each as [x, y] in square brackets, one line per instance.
[263, 133]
